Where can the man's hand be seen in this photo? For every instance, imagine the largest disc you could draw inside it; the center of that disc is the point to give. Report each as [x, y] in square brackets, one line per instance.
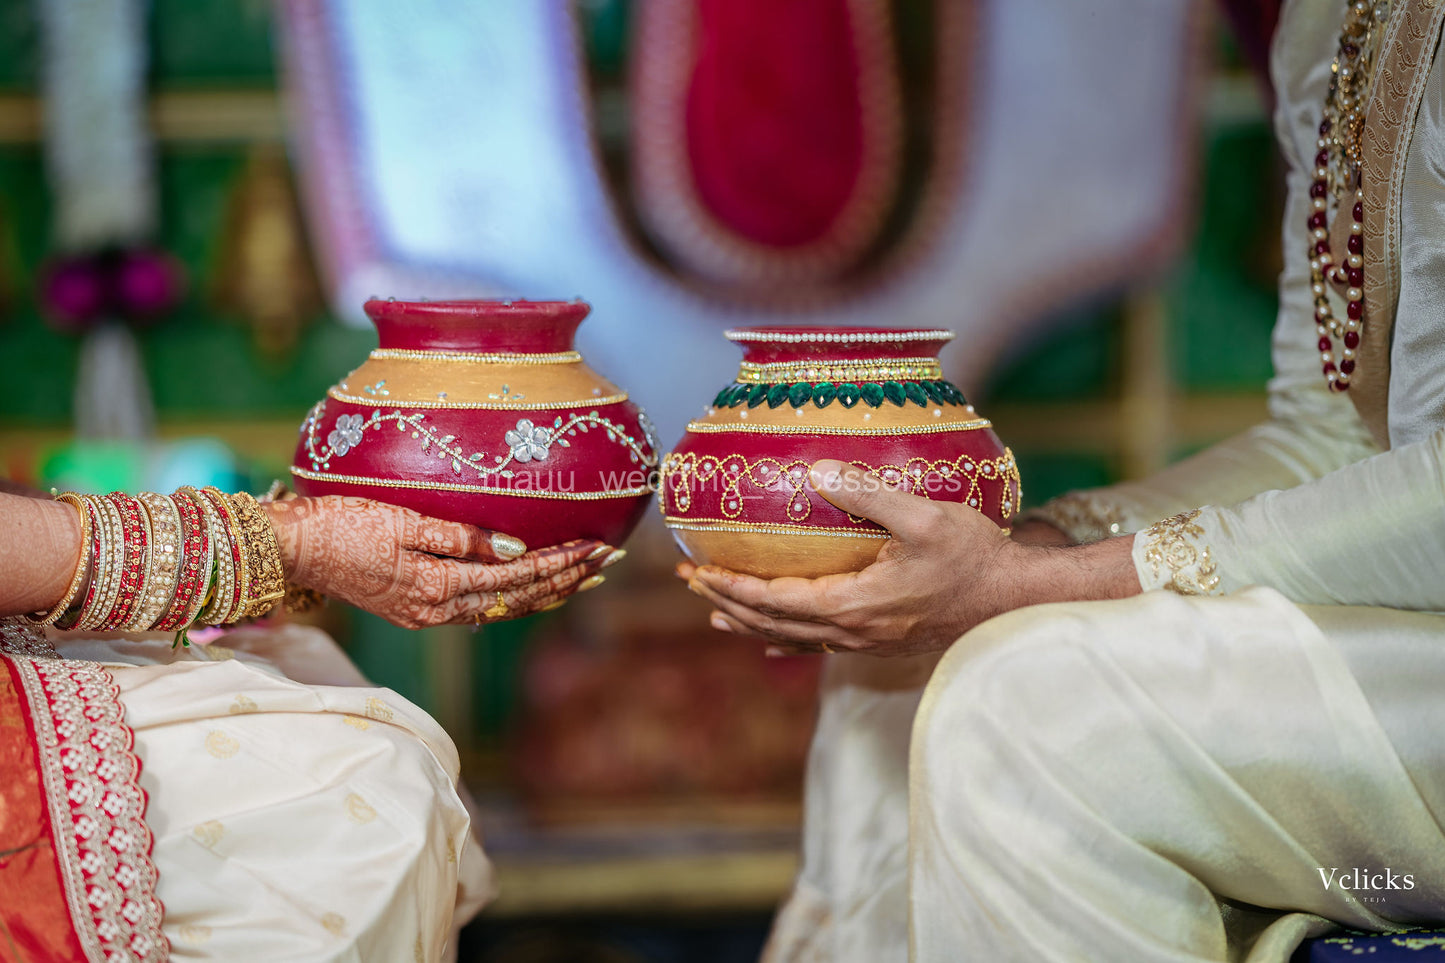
[946, 569]
[416, 571]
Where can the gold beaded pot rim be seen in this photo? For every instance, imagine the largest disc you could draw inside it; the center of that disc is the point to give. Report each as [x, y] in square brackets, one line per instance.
[866, 336]
[472, 357]
[714, 427]
[460, 487]
[391, 402]
[892, 369]
[766, 528]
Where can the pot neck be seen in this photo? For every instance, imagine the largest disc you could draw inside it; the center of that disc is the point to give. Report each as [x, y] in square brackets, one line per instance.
[777, 345]
[483, 326]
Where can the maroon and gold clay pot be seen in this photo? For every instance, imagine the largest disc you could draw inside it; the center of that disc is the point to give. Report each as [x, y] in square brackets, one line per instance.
[483, 412]
[736, 492]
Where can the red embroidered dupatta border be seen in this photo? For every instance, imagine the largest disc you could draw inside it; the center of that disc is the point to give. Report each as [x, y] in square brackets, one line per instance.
[76, 879]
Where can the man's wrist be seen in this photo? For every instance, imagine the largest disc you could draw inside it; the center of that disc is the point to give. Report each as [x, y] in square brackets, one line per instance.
[1079, 573]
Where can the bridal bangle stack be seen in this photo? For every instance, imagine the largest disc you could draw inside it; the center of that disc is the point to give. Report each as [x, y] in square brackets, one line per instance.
[168, 562]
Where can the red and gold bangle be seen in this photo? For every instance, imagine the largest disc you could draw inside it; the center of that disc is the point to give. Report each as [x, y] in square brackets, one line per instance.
[81, 567]
[265, 575]
[193, 565]
[135, 560]
[163, 575]
[227, 553]
[109, 564]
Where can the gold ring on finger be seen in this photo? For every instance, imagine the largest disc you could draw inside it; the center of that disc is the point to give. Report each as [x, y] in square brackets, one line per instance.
[826, 647]
[498, 610]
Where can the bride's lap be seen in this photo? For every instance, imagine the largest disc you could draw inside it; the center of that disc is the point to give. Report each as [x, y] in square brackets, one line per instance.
[293, 821]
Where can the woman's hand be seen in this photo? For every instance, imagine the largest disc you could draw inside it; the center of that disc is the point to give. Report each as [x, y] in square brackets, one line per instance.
[946, 569]
[416, 571]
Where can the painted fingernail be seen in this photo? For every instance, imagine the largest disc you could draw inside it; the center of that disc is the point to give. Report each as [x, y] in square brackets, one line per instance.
[554, 606]
[591, 582]
[507, 546]
[616, 556]
[720, 623]
[599, 551]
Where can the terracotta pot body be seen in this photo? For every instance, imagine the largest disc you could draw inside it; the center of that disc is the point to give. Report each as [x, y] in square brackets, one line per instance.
[735, 492]
[482, 412]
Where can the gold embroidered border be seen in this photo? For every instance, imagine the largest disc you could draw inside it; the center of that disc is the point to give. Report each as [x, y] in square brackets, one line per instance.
[97, 808]
[764, 428]
[466, 357]
[1172, 546]
[477, 489]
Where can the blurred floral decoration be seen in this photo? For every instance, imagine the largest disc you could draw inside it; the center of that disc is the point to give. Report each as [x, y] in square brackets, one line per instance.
[266, 275]
[136, 285]
[100, 162]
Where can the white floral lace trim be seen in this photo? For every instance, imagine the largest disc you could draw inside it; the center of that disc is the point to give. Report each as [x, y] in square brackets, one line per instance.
[1177, 558]
[1083, 516]
[97, 808]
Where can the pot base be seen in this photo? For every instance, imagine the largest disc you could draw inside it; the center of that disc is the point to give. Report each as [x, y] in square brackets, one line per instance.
[769, 555]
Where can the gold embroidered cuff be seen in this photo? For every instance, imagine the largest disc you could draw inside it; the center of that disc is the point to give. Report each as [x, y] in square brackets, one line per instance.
[1083, 516]
[1172, 555]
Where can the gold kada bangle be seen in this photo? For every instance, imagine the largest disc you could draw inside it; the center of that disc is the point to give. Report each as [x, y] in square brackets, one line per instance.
[265, 584]
[81, 567]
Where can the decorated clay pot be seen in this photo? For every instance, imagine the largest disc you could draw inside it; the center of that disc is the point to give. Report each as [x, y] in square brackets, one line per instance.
[483, 412]
[736, 492]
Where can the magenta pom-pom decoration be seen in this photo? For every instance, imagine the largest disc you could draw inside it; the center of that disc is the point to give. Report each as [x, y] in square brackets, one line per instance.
[146, 285]
[136, 286]
[73, 293]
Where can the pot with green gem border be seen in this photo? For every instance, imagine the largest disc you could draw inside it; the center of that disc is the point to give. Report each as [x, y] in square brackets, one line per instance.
[735, 491]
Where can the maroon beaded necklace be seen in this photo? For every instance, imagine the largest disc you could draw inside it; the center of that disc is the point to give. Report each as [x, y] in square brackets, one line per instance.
[1337, 172]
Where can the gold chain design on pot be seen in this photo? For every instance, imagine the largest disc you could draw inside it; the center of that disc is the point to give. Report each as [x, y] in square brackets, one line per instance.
[896, 369]
[680, 472]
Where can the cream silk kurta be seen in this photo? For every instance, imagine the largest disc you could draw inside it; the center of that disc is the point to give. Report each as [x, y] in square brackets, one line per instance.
[298, 812]
[1164, 777]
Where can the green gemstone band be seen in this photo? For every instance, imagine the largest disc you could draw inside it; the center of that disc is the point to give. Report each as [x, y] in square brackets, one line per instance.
[823, 393]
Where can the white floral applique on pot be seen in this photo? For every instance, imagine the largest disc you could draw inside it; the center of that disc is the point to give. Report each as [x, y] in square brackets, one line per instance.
[529, 442]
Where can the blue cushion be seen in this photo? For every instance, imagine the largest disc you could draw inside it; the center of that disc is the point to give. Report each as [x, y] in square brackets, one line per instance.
[1407, 945]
